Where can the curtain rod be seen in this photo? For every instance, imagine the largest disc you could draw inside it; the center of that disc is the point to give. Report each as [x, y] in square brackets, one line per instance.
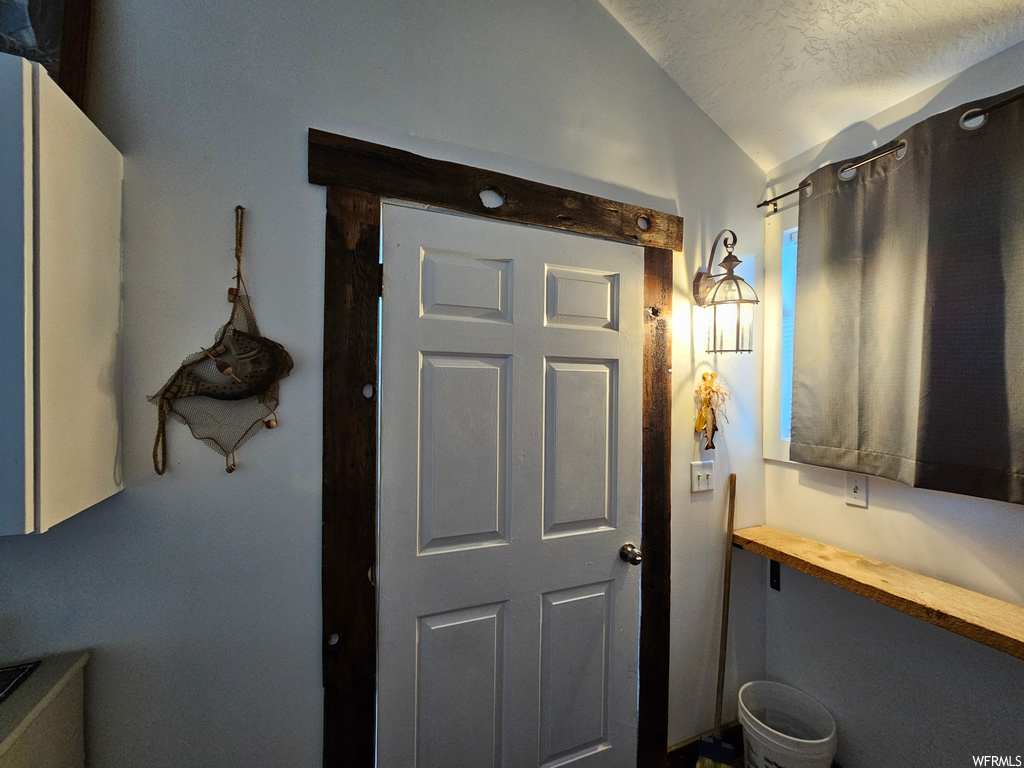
[774, 200]
[970, 114]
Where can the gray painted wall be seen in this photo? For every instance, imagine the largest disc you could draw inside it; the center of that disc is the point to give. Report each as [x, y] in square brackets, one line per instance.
[200, 591]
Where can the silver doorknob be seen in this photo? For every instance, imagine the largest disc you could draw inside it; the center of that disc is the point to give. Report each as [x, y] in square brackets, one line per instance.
[630, 554]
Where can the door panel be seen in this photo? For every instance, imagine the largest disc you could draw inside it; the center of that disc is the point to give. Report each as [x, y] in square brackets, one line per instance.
[510, 404]
[574, 673]
[460, 663]
[580, 408]
[463, 482]
[460, 285]
[582, 298]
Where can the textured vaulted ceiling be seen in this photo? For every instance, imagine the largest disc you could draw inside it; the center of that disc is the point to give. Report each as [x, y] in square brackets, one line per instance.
[780, 76]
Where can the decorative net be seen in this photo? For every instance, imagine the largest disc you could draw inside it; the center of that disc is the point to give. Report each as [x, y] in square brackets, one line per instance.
[229, 392]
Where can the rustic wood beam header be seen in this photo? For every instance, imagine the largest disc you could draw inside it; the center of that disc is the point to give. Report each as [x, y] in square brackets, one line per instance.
[340, 161]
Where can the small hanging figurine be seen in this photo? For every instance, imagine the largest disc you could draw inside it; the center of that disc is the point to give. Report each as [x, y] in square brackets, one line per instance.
[228, 393]
[711, 396]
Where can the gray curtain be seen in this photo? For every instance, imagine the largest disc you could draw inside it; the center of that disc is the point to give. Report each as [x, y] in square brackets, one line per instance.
[908, 357]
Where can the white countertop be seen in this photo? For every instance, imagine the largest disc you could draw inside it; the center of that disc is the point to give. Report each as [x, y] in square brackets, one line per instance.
[31, 697]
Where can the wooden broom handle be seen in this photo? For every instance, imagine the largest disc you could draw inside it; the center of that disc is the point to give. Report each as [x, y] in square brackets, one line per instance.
[720, 688]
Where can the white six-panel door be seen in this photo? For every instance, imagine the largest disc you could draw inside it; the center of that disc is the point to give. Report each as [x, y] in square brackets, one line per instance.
[511, 383]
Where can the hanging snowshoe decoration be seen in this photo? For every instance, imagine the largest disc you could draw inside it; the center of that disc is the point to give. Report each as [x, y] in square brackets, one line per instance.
[229, 392]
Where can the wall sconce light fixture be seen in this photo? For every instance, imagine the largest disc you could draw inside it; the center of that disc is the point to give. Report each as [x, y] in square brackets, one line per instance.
[729, 300]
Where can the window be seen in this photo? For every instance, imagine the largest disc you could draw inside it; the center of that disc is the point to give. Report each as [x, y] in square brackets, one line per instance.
[788, 280]
[780, 249]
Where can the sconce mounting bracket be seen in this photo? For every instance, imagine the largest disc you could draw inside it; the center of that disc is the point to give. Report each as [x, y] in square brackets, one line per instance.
[703, 282]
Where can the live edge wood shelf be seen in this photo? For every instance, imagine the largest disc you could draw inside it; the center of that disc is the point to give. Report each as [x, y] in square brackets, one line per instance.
[992, 622]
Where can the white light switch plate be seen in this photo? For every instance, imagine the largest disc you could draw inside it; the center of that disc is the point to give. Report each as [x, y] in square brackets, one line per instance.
[856, 489]
[702, 476]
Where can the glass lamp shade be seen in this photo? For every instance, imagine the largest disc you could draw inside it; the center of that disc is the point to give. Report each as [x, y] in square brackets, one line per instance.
[731, 322]
[730, 288]
[728, 299]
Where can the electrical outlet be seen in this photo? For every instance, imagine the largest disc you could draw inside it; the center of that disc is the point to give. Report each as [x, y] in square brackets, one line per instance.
[702, 476]
[856, 490]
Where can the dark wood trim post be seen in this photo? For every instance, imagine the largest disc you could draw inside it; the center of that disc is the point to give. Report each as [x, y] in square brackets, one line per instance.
[351, 292]
[656, 508]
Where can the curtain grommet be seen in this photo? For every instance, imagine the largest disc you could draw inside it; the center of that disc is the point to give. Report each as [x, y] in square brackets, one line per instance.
[973, 119]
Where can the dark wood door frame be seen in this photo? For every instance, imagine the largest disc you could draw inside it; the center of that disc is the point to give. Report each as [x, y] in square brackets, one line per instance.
[358, 175]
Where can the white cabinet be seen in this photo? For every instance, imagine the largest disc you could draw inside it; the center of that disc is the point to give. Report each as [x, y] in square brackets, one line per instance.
[60, 277]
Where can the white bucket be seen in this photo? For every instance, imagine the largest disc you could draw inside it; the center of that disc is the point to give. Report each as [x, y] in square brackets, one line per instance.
[785, 728]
